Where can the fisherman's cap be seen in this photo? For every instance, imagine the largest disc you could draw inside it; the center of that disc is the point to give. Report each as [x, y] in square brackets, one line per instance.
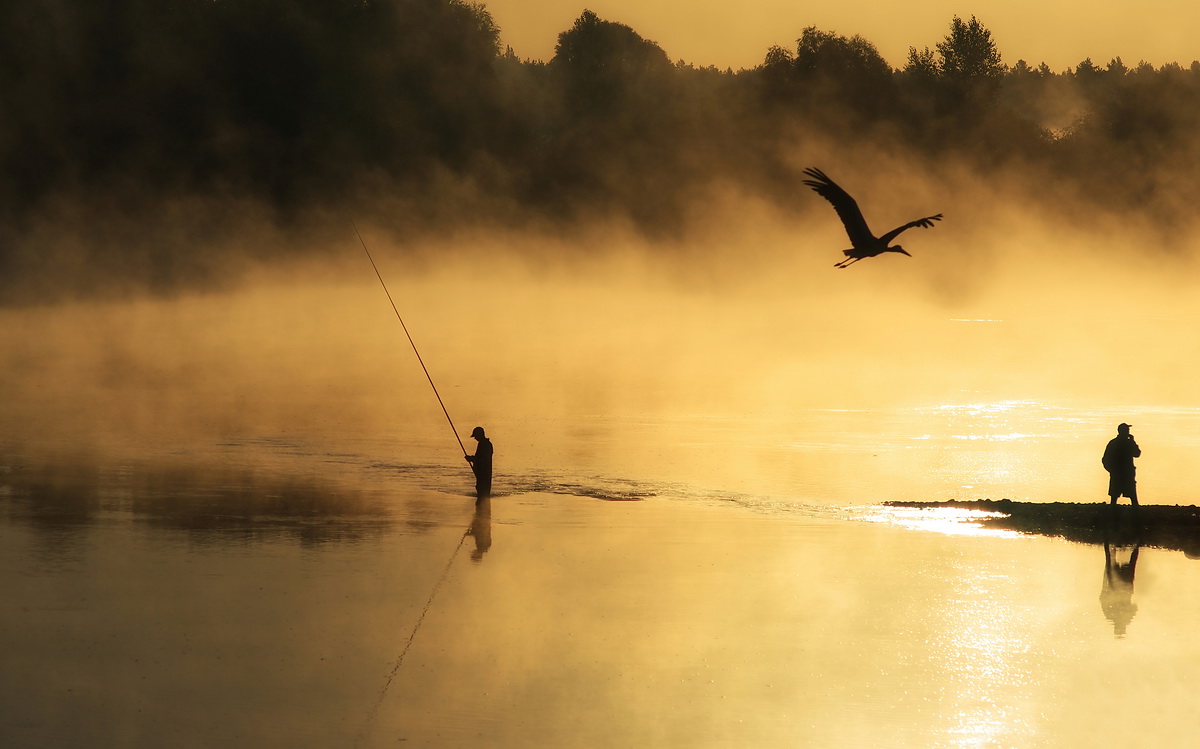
[477, 432]
[1124, 426]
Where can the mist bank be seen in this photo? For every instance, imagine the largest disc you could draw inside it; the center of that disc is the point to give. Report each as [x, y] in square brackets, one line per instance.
[162, 146]
[310, 354]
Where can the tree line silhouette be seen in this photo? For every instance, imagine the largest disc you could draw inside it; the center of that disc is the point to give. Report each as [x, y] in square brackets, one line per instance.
[123, 112]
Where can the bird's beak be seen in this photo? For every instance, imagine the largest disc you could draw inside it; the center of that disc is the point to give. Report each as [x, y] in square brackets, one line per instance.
[902, 250]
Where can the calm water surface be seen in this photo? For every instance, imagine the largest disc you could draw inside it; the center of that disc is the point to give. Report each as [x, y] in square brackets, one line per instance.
[323, 592]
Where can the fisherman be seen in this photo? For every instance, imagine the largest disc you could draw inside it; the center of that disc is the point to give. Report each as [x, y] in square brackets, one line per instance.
[481, 464]
[1118, 461]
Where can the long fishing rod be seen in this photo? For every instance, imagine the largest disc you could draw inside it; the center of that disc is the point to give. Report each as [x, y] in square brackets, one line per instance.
[410, 338]
[449, 562]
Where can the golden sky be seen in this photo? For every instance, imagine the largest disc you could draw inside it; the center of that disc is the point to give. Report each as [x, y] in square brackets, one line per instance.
[737, 34]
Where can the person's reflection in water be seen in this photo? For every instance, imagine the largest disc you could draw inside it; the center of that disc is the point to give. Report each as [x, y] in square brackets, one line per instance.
[481, 464]
[1116, 593]
[481, 528]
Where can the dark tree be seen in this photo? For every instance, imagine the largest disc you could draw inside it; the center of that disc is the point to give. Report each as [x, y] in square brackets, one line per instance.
[830, 78]
[921, 65]
[829, 55]
[606, 64]
[968, 52]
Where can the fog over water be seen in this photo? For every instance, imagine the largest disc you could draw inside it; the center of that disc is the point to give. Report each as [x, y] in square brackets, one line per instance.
[1004, 328]
[226, 509]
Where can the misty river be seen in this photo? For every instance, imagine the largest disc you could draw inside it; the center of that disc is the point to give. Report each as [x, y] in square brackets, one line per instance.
[239, 518]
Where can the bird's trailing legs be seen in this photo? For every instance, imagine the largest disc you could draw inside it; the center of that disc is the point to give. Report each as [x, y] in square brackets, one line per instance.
[864, 243]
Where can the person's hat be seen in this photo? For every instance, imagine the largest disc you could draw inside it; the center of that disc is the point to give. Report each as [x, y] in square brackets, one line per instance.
[1124, 426]
[477, 432]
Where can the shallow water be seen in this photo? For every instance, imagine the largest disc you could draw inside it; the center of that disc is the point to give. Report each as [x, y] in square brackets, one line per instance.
[270, 592]
[240, 520]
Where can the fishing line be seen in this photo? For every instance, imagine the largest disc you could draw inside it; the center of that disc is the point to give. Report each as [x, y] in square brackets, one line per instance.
[450, 562]
[411, 636]
[410, 338]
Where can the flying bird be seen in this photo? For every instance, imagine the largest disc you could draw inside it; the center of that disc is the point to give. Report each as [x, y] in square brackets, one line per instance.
[865, 244]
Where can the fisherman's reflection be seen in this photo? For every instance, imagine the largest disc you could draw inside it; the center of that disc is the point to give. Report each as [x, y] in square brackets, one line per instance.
[481, 528]
[1116, 593]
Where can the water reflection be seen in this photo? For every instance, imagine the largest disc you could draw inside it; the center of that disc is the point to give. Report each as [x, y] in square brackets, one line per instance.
[1120, 531]
[481, 528]
[57, 505]
[62, 501]
[1116, 592]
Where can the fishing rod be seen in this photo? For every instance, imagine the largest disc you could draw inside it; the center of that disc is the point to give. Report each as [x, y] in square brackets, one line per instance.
[410, 338]
[449, 562]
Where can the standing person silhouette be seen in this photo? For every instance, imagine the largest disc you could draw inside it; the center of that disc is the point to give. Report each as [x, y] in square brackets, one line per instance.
[1118, 461]
[481, 464]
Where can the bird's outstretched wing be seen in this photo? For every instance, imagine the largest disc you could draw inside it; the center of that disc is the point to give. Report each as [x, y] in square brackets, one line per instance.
[924, 223]
[847, 209]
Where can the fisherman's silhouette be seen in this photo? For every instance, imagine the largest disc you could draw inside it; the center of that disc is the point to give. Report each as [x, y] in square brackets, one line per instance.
[1118, 461]
[481, 464]
[481, 528]
[1116, 592]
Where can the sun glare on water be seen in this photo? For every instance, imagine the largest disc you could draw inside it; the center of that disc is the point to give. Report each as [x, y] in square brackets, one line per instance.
[951, 521]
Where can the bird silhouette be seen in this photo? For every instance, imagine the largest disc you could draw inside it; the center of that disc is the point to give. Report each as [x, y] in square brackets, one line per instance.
[865, 244]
